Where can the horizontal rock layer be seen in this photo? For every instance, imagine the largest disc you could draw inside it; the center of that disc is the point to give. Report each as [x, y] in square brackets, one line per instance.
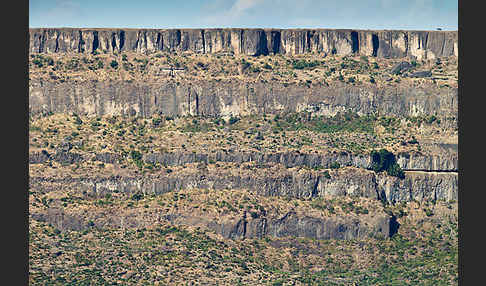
[353, 182]
[290, 224]
[412, 161]
[204, 98]
[379, 43]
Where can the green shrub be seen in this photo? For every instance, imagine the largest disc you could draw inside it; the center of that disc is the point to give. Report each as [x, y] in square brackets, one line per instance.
[302, 64]
[335, 165]
[233, 120]
[384, 160]
[114, 64]
[135, 155]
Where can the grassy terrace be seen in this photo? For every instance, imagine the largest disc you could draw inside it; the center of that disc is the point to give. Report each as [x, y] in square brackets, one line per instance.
[132, 137]
[423, 253]
[309, 69]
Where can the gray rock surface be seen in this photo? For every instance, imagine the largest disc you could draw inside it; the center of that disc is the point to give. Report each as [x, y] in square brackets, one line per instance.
[345, 227]
[400, 67]
[145, 99]
[421, 74]
[354, 182]
[386, 44]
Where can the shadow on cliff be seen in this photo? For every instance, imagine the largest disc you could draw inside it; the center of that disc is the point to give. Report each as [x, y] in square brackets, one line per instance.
[394, 226]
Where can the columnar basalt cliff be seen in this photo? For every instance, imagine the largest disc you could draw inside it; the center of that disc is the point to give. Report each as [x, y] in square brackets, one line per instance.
[111, 122]
[383, 43]
[234, 98]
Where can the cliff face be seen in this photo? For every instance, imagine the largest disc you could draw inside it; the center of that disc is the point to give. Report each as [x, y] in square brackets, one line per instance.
[412, 161]
[238, 227]
[234, 98]
[352, 182]
[385, 44]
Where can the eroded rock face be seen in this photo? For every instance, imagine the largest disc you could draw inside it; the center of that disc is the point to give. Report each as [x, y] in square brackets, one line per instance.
[290, 224]
[412, 161]
[353, 182]
[235, 98]
[386, 44]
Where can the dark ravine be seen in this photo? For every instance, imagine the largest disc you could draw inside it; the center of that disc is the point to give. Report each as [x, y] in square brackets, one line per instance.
[379, 43]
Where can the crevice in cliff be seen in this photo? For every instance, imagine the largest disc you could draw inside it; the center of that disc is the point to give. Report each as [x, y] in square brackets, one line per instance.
[203, 41]
[263, 47]
[80, 43]
[276, 36]
[122, 39]
[145, 40]
[41, 43]
[113, 41]
[406, 43]
[315, 188]
[375, 43]
[95, 41]
[197, 104]
[354, 42]
[308, 41]
[57, 43]
[160, 43]
[137, 41]
[241, 41]
[394, 226]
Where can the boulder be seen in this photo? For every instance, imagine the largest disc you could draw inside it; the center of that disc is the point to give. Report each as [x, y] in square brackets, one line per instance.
[421, 74]
[400, 67]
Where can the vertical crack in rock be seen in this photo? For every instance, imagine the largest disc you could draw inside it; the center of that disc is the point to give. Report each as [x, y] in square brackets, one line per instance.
[197, 103]
[394, 226]
[42, 39]
[160, 44]
[57, 42]
[80, 43]
[95, 41]
[145, 40]
[354, 42]
[314, 189]
[241, 41]
[406, 44]
[376, 44]
[113, 41]
[308, 41]
[203, 41]
[276, 38]
[122, 39]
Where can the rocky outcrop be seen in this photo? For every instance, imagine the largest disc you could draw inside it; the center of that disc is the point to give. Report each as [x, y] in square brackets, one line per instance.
[204, 98]
[409, 161]
[353, 182]
[406, 160]
[290, 224]
[386, 44]
[62, 157]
